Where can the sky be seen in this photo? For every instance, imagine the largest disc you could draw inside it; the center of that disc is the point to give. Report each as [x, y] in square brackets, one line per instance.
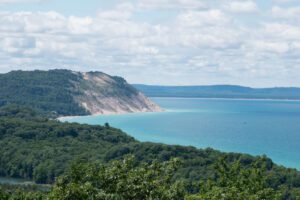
[161, 42]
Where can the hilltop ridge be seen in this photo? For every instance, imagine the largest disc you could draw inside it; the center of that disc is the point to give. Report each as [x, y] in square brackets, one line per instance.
[65, 92]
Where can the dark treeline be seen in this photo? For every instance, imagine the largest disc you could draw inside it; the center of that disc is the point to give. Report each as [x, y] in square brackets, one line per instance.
[37, 148]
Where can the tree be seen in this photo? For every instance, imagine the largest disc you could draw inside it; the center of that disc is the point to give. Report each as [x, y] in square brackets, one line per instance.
[119, 180]
[3, 194]
[236, 183]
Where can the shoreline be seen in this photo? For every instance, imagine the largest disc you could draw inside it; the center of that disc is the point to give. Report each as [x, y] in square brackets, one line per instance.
[164, 110]
[108, 114]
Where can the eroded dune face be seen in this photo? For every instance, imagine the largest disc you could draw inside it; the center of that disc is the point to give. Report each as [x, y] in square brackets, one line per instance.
[100, 93]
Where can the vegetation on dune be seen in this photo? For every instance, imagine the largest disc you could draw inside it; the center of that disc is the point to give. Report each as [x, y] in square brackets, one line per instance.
[47, 91]
[37, 148]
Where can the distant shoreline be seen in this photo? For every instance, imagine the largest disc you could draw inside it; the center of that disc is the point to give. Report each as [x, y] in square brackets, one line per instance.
[224, 98]
[222, 92]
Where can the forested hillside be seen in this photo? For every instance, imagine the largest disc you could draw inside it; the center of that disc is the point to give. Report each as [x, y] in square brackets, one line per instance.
[36, 148]
[64, 92]
[41, 90]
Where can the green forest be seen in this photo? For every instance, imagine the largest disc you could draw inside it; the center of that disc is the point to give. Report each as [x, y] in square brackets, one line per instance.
[49, 91]
[101, 162]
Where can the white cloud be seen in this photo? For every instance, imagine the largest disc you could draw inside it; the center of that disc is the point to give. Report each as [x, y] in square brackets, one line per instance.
[242, 7]
[115, 15]
[170, 4]
[267, 46]
[282, 32]
[202, 42]
[286, 13]
[17, 45]
[283, 1]
[199, 18]
[32, 22]
[205, 29]
[80, 25]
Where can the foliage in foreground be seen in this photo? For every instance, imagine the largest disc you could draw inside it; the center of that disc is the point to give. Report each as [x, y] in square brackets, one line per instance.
[120, 180]
[236, 183]
[123, 180]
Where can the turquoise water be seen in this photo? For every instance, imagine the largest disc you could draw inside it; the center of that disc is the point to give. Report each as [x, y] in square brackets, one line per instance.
[247, 126]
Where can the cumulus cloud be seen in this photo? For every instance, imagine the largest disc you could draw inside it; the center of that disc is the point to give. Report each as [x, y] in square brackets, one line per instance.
[282, 31]
[268, 46]
[283, 1]
[32, 22]
[205, 29]
[170, 4]
[199, 18]
[292, 13]
[242, 7]
[202, 42]
[15, 45]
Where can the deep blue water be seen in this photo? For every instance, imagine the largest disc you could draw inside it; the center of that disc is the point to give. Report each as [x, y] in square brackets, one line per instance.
[247, 126]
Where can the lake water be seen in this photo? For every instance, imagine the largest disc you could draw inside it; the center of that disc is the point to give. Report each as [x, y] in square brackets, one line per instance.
[15, 181]
[256, 127]
[23, 182]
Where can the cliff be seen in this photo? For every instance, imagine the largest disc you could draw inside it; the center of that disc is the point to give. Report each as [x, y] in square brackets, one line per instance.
[100, 93]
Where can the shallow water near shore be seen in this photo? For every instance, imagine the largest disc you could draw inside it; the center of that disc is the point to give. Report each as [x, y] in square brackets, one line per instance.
[270, 127]
[15, 181]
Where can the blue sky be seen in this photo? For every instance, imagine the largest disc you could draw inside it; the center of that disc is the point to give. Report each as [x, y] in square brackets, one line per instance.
[166, 42]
